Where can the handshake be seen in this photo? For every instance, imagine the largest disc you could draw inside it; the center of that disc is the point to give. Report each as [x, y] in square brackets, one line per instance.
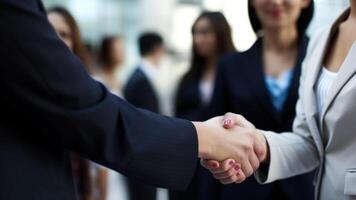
[231, 147]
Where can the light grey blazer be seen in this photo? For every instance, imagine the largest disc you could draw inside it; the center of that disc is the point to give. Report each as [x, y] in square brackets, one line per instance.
[327, 142]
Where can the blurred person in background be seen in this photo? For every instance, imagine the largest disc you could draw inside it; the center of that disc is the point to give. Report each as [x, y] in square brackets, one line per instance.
[68, 30]
[262, 85]
[211, 39]
[111, 60]
[140, 90]
[111, 57]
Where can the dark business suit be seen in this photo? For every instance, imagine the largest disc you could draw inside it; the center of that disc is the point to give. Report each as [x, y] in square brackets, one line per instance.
[189, 105]
[240, 88]
[140, 92]
[49, 105]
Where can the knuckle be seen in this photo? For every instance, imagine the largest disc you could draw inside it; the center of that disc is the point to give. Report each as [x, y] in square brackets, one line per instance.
[249, 172]
[247, 147]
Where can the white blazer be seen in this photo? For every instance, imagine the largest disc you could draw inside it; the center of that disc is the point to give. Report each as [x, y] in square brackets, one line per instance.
[327, 142]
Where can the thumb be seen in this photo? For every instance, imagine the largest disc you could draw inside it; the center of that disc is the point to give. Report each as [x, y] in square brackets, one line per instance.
[210, 164]
[230, 120]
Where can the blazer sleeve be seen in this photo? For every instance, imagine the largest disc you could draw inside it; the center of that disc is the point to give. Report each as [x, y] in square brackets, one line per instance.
[46, 85]
[296, 152]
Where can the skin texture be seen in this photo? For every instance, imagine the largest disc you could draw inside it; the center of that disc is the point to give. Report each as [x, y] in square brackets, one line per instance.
[225, 171]
[218, 143]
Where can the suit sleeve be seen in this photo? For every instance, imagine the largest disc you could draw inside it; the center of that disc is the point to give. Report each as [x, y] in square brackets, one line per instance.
[45, 84]
[291, 153]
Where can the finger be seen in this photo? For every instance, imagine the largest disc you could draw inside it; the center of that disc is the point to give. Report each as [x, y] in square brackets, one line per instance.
[231, 119]
[254, 161]
[240, 177]
[210, 164]
[228, 121]
[247, 168]
[229, 180]
[237, 177]
[225, 166]
[231, 172]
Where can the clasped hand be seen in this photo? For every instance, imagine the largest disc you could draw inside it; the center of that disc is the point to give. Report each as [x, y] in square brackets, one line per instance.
[236, 152]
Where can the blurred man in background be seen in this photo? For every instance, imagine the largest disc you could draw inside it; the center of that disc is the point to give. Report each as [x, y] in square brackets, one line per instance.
[140, 91]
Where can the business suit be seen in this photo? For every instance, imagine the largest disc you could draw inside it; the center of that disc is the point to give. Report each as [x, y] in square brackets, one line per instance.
[326, 142]
[190, 105]
[241, 88]
[188, 101]
[140, 92]
[50, 105]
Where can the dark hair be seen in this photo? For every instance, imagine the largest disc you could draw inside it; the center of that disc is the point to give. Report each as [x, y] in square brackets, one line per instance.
[148, 42]
[224, 40]
[78, 46]
[106, 52]
[303, 22]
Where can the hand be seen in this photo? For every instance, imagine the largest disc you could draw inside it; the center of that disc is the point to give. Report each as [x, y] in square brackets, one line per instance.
[232, 174]
[237, 143]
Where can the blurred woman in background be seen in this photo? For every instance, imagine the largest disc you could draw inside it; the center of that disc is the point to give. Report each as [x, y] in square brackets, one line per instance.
[67, 29]
[109, 184]
[262, 85]
[111, 59]
[211, 39]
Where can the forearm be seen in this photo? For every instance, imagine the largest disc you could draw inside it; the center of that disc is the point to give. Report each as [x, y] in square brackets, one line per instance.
[289, 155]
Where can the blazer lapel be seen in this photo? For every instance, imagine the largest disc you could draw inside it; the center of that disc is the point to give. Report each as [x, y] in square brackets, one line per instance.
[346, 72]
[314, 64]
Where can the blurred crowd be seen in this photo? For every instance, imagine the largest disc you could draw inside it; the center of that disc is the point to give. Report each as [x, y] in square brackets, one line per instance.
[260, 83]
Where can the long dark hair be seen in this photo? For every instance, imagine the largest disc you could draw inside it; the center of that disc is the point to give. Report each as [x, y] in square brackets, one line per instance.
[78, 46]
[225, 44]
[303, 22]
[106, 52]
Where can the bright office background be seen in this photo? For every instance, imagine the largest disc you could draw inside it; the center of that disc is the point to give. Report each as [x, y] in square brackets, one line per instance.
[173, 19]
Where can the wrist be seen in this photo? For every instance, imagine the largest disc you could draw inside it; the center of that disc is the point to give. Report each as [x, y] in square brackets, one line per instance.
[265, 156]
[203, 139]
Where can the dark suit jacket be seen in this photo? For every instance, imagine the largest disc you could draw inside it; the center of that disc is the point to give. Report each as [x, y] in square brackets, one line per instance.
[240, 88]
[140, 92]
[188, 102]
[49, 105]
[189, 105]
